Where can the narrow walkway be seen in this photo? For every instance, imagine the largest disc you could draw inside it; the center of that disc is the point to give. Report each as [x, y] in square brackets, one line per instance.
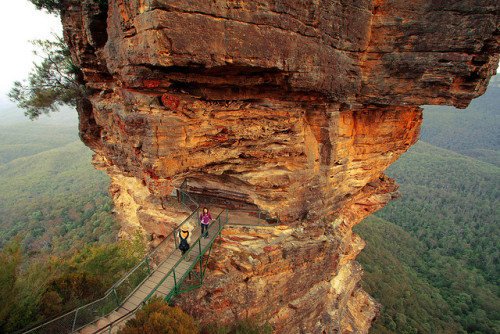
[161, 283]
[164, 273]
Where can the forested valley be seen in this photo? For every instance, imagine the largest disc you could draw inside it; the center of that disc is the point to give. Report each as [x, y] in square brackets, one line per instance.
[432, 257]
[57, 233]
[431, 260]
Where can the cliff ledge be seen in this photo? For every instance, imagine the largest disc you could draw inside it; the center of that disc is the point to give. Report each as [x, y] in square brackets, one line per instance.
[298, 105]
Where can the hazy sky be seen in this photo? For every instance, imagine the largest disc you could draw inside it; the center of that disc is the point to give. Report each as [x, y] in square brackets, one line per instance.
[21, 22]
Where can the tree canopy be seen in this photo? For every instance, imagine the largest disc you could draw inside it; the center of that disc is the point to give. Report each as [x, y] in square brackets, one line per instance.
[50, 84]
[157, 317]
[51, 6]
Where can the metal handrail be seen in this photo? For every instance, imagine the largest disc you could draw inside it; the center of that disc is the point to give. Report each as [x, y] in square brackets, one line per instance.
[198, 241]
[126, 275]
[262, 215]
[161, 243]
[178, 282]
[200, 255]
[172, 271]
[185, 197]
[122, 279]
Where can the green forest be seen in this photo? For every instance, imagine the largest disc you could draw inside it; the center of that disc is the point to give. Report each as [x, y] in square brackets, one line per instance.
[473, 132]
[456, 213]
[54, 198]
[431, 260]
[432, 257]
[57, 232]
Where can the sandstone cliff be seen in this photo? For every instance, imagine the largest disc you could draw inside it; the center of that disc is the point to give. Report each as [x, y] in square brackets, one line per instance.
[299, 105]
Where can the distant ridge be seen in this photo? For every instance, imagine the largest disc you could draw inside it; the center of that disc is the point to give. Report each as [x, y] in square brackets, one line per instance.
[10, 114]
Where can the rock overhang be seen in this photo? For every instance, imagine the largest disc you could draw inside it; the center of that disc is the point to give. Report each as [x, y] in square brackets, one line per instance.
[299, 105]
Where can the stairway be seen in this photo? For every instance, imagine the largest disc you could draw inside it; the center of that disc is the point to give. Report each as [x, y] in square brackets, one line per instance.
[161, 283]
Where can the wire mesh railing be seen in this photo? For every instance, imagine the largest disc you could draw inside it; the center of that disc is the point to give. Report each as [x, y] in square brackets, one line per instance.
[214, 229]
[176, 275]
[239, 216]
[251, 218]
[125, 287]
[116, 296]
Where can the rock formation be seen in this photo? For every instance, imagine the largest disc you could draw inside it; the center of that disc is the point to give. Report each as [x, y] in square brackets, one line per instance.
[299, 105]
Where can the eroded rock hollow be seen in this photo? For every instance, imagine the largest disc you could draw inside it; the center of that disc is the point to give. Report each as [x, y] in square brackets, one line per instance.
[298, 105]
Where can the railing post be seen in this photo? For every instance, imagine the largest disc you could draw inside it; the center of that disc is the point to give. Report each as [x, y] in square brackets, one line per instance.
[116, 297]
[201, 263]
[220, 232]
[147, 263]
[185, 198]
[175, 282]
[74, 320]
[198, 216]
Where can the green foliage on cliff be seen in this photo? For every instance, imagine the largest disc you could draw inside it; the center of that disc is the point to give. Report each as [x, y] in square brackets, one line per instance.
[435, 267]
[55, 6]
[450, 202]
[241, 326]
[32, 290]
[51, 84]
[51, 6]
[55, 199]
[420, 290]
[10, 259]
[157, 317]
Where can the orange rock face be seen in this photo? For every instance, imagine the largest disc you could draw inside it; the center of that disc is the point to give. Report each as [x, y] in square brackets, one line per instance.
[298, 105]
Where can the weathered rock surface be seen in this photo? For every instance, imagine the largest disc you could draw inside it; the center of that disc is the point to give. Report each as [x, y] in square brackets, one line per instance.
[300, 105]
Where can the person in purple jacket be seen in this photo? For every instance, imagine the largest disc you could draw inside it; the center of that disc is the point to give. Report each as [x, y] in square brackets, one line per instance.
[205, 219]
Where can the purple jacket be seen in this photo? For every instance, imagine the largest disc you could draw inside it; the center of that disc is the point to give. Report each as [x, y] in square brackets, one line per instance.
[205, 218]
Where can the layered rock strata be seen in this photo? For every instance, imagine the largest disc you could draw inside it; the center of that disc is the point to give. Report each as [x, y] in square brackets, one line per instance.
[298, 105]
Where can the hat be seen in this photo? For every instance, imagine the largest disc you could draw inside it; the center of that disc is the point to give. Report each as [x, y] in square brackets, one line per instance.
[186, 227]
